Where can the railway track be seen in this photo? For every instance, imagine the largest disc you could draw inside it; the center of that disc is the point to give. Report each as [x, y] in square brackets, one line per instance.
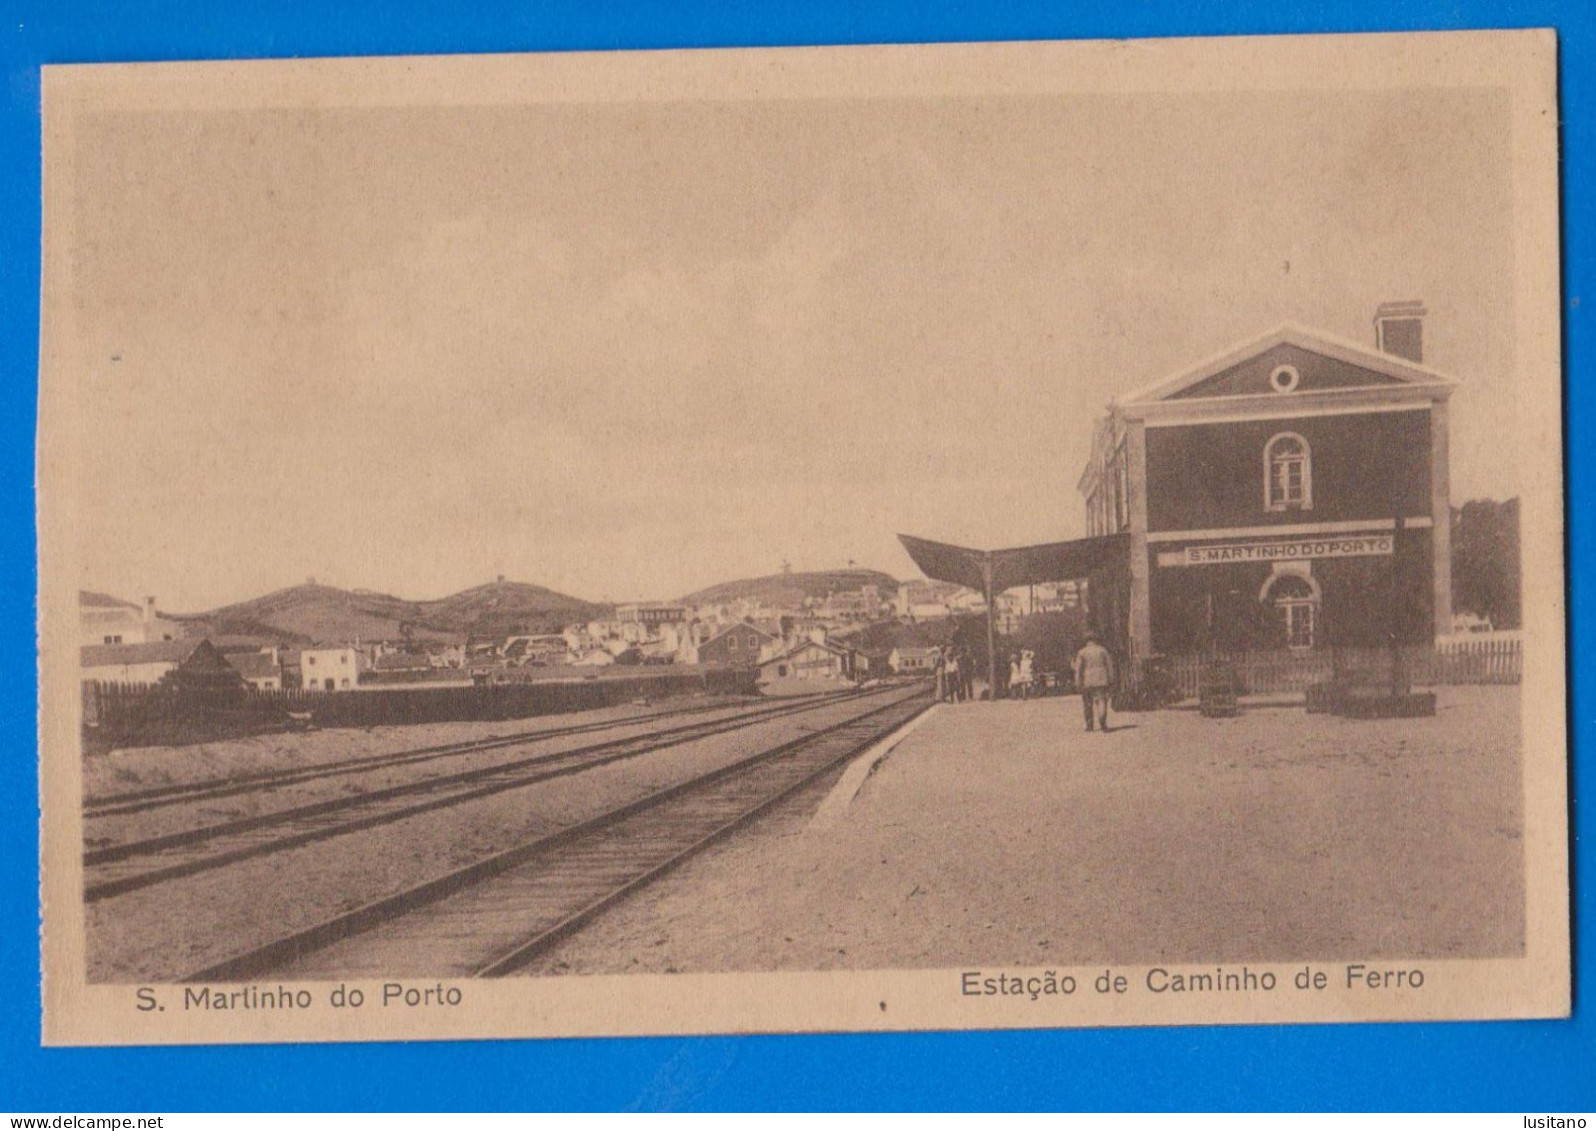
[116, 869]
[157, 797]
[495, 916]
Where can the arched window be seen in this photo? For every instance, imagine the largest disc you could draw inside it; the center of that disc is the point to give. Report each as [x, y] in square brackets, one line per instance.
[1288, 474]
[1297, 601]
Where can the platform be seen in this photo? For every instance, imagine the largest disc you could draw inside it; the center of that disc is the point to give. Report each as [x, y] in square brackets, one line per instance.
[1003, 832]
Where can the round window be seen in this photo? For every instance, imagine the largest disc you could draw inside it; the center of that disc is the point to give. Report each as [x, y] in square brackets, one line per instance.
[1284, 379]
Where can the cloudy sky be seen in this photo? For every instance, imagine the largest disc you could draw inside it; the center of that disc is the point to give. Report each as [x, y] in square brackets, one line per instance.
[627, 350]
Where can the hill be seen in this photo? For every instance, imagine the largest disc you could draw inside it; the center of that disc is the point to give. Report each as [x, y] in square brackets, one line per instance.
[305, 613]
[792, 588]
[89, 599]
[504, 607]
[302, 614]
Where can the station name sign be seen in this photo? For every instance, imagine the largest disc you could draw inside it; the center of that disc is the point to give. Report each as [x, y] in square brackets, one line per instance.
[1296, 550]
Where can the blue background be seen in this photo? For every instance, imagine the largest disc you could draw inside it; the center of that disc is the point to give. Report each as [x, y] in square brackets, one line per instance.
[1539, 1066]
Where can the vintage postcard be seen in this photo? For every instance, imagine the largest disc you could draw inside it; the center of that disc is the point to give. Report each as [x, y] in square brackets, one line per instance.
[865, 538]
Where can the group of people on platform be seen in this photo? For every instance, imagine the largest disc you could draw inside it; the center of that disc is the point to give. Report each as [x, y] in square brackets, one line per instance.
[1024, 679]
[955, 669]
[1092, 668]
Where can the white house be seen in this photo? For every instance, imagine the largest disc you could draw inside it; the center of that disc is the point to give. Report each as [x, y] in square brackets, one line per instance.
[809, 659]
[105, 620]
[328, 668]
[913, 661]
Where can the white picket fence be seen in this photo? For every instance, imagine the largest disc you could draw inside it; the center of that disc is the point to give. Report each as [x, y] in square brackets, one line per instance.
[1286, 672]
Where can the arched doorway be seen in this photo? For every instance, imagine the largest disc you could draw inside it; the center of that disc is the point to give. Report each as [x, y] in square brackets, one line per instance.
[1294, 598]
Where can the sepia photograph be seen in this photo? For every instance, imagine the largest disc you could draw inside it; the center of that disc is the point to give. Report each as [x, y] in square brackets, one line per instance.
[963, 536]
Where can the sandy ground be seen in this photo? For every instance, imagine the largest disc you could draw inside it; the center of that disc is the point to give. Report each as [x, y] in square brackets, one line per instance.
[1002, 833]
[166, 931]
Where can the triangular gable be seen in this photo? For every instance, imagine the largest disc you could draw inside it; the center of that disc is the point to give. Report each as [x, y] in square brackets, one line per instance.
[1294, 368]
[742, 624]
[804, 646]
[204, 657]
[1324, 363]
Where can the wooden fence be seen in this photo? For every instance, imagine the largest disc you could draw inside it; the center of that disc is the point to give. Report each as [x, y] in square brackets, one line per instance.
[1292, 673]
[122, 714]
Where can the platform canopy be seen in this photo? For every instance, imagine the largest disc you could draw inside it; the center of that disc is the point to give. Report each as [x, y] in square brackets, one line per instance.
[994, 571]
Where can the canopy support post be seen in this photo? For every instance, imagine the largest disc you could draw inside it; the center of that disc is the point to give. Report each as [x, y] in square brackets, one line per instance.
[991, 627]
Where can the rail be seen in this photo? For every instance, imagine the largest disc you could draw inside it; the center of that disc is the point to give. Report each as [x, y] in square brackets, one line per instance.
[695, 811]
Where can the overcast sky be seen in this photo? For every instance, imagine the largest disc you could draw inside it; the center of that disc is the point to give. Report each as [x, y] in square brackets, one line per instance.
[633, 350]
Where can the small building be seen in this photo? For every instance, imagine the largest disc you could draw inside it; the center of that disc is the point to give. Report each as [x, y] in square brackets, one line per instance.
[260, 670]
[389, 663]
[134, 663]
[106, 620]
[328, 668]
[651, 613]
[810, 659]
[850, 606]
[207, 672]
[921, 600]
[913, 661]
[739, 645]
[542, 650]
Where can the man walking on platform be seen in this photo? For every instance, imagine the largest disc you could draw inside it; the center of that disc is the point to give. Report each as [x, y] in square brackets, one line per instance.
[1094, 675]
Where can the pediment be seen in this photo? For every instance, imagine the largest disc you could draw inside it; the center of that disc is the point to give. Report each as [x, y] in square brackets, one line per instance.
[1286, 369]
[1285, 362]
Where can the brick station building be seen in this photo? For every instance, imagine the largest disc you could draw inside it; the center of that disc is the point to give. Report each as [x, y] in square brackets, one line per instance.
[1291, 493]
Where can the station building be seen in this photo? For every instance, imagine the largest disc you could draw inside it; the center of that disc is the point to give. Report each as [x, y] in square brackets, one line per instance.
[653, 613]
[1290, 493]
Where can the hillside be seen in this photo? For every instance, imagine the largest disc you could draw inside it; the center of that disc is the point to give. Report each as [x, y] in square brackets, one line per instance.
[792, 588]
[501, 608]
[311, 613]
[89, 599]
[304, 613]
[220, 624]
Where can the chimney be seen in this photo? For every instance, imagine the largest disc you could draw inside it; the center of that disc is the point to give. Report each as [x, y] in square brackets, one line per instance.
[149, 610]
[1399, 329]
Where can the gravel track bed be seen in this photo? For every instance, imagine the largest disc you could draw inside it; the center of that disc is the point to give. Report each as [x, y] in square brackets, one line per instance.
[118, 828]
[162, 932]
[1003, 834]
[147, 767]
